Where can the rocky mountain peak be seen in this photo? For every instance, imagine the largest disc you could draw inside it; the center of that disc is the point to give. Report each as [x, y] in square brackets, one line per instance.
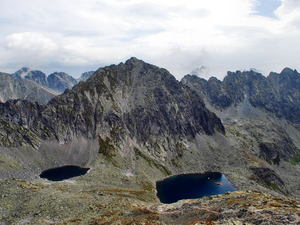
[213, 79]
[132, 74]
[60, 75]
[135, 99]
[287, 71]
[134, 60]
[60, 81]
[19, 88]
[25, 69]
[231, 73]
[29, 74]
[37, 76]
[21, 73]
[247, 75]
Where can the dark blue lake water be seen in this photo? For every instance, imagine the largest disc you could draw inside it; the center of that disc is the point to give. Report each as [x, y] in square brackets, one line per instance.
[190, 186]
[63, 173]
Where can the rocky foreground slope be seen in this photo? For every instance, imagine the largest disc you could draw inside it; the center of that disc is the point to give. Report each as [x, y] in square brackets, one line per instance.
[88, 201]
[134, 124]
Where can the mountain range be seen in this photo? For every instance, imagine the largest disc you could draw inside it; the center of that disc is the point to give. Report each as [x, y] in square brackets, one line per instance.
[277, 93]
[34, 85]
[134, 124]
[12, 88]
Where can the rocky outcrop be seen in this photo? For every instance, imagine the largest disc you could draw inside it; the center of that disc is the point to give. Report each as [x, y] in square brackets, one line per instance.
[15, 135]
[268, 151]
[269, 178]
[286, 91]
[28, 115]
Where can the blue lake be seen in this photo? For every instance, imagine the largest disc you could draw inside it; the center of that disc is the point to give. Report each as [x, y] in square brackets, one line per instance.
[190, 186]
[63, 173]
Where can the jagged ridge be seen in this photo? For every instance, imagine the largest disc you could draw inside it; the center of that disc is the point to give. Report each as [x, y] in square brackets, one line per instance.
[135, 99]
[277, 93]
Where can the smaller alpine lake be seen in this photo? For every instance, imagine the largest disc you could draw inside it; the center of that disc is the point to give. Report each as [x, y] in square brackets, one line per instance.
[191, 186]
[63, 173]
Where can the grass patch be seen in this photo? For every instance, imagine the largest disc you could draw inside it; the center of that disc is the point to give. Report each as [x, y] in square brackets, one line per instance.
[106, 148]
[295, 160]
[275, 187]
[124, 193]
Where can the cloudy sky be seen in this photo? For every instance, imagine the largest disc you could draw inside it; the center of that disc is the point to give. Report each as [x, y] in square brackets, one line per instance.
[80, 35]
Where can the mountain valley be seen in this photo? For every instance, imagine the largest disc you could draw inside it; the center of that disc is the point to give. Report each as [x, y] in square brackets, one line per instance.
[134, 124]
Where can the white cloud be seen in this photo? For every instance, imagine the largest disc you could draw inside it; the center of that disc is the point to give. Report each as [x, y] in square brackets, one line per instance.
[30, 42]
[289, 13]
[179, 35]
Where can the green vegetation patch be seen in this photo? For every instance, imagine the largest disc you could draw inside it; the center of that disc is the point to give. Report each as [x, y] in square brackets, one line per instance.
[106, 148]
[295, 160]
[6, 162]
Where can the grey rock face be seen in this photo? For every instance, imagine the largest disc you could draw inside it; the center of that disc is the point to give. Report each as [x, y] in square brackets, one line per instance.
[34, 75]
[138, 98]
[212, 88]
[277, 93]
[60, 81]
[286, 92]
[269, 178]
[12, 88]
[37, 76]
[15, 135]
